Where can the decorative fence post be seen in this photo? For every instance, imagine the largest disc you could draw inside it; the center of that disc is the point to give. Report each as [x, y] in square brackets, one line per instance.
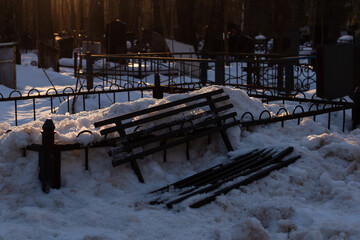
[89, 72]
[356, 108]
[219, 71]
[280, 76]
[157, 91]
[139, 68]
[75, 63]
[289, 77]
[203, 70]
[49, 159]
[249, 72]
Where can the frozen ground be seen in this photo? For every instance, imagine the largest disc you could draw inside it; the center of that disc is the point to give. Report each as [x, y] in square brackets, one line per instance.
[318, 197]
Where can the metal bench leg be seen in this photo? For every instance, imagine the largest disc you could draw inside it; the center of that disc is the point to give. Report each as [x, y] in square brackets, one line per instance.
[23, 152]
[187, 151]
[226, 141]
[223, 132]
[86, 159]
[136, 169]
[164, 156]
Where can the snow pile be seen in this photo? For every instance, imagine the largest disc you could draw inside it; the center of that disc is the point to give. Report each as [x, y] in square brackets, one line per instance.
[315, 198]
[345, 39]
[260, 37]
[250, 228]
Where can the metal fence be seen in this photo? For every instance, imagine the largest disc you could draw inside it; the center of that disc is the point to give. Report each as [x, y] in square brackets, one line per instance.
[54, 98]
[181, 72]
[314, 107]
[250, 70]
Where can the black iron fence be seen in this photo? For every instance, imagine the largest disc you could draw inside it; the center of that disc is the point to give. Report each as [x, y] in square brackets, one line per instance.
[306, 107]
[52, 98]
[180, 69]
[127, 74]
[39, 101]
[250, 70]
[281, 74]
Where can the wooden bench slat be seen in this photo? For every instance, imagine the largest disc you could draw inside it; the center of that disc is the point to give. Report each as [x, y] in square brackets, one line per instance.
[165, 125]
[118, 161]
[162, 115]
[169, 124]
[156, 108]
[175, 133]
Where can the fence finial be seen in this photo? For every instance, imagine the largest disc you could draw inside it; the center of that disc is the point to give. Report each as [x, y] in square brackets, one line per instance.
[49, 159]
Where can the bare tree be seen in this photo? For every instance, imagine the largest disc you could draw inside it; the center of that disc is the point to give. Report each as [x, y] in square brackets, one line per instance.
[185, 30]
[7, 17]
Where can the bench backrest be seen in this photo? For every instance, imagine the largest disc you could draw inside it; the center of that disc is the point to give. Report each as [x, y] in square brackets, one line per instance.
[162, 111]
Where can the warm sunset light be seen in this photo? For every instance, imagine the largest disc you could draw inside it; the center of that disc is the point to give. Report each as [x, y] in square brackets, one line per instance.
[180, 119]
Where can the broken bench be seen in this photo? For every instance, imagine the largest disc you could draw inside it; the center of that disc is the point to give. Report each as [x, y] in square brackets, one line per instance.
[172, 124]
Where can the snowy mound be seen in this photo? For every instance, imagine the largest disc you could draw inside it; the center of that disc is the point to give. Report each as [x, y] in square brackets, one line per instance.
[345, 39]
[315, 198]
[260, 37]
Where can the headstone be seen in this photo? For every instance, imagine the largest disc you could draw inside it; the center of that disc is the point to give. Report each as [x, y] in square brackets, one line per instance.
[8, 65]
[290, 45]
[115, 40]
[66, 47]
[238, 41]
[337, 71]
[158, 43]
[92, 47]
[48, 57]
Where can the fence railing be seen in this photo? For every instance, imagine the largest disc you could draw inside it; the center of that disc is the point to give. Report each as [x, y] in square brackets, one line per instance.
[126, 74]
[314, 108]
[53, 98]
[251, 70]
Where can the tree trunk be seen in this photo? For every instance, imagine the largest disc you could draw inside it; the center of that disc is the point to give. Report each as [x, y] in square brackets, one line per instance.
[48, 56]
[44, 21]
[8, 30]
[185, 31]
[95, 28]
[214, 35]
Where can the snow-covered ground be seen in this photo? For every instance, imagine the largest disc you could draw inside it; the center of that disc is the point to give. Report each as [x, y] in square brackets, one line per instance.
[317, 197]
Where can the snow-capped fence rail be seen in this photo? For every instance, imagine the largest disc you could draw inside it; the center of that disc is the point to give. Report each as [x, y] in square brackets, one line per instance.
[54, 98]
[49, 155]
[50, 99]
[135, 135]
[283, 114]
[314, 106]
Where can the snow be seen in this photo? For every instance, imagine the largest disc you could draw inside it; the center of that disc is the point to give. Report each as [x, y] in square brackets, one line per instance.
[315, 198]
[260, 37]
[179, 47]
[345, 39]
